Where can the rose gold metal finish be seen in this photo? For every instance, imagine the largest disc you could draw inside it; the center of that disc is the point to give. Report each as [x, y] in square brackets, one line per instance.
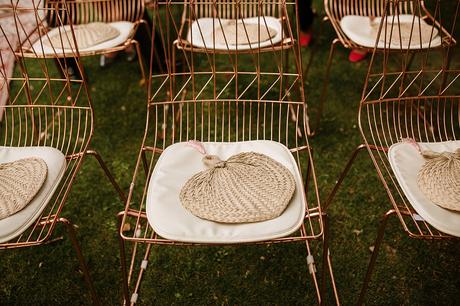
[73, 237]
[375, 251]
[337, 9]
[407, 95]
[47, 108]
[220, 96]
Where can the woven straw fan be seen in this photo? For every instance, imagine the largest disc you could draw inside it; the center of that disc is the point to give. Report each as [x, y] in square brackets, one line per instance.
[247, 187]
[20, 181]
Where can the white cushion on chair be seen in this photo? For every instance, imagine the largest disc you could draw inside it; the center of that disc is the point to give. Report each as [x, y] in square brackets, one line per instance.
[358, 29]
[406, 162]
[17, 223]
[202, 33]
[179, 162]
[125, 28]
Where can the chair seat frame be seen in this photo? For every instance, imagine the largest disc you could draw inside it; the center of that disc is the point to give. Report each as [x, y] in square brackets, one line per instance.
[222, 104]
[421, 103]
[46, 110]
[337, 9]
[83, 12]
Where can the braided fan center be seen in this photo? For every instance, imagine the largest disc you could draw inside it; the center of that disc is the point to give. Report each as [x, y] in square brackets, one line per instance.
[248, 187]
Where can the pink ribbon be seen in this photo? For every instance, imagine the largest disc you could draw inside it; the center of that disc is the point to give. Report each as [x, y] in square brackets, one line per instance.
[197, 145]
[412, 142]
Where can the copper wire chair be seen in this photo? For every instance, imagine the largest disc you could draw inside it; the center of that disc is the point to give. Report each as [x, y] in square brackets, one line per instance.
[218, 100]
[403, 103]
[196, 33]
[222, 11]
[51, 117]
[336, 10]
[124, 15]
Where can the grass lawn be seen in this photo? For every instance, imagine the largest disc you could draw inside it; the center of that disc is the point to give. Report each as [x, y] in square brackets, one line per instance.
[408, 272]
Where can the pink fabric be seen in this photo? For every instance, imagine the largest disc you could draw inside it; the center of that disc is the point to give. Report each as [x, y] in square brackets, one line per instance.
[412, 142]
[197, 145]
[9, 34]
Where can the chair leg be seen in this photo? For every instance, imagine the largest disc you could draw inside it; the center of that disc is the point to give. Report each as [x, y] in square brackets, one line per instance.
[147, 28]
[325, 85]
[124, 271]
[108, 174]
[143, 81]
[377, 244]
[331, 275]
[315, 48]
[143, 268]
[327, 264]
[311, 264]
[83, 266]
[342, 176]
[325, 258]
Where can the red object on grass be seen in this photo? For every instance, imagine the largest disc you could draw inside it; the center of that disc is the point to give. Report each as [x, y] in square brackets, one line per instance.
[356, 56]
[305, 39]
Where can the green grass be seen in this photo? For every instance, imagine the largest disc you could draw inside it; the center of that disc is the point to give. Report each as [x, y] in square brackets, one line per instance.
[408, 272]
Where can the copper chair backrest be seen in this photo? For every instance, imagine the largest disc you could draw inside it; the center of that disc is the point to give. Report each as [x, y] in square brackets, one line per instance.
[45, 108]
[414, 96]
[85, 11]
[222, 98]
[375, 8]
[234, 9]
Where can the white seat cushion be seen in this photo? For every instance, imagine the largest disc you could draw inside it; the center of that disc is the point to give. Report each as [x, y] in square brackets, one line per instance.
[125, 28]
[406, 162]
[359, 29]
[17, 223]
[202, 33]
[179, 162]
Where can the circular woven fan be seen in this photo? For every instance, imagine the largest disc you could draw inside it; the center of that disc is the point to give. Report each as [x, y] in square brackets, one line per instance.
[404, 33]
[86, 35]
[248, 187]
[19, 183]
[242, 34]
[439, 178]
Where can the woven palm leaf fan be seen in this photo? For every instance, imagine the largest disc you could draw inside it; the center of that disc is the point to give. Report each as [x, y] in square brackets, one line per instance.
[405, 33]
[86, 35]
[247, 187]
[235, 32]
[20, 181]
[439, 178]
